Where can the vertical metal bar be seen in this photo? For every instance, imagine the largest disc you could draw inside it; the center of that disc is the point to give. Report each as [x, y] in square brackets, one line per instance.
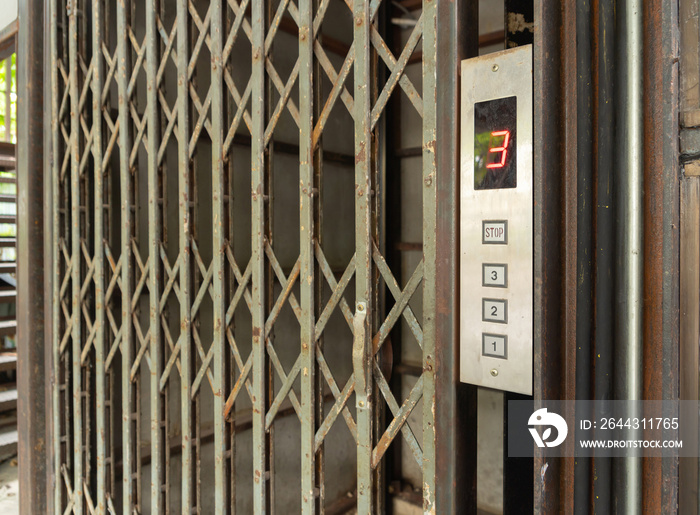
[550, 123]
[569, 227]
[185, 229]
[630, 245]
[306, 233]
[31, 427]
[98, 259]
[155, 271]
[430, 93]
[125, 187]
[56, 253]
[76, 327]
[604, 223]
[50, 278]
[363, 248]
[219, 242]
[258, 255]
[455, 413]
[661, 247]
[585, 237]
[690, 328]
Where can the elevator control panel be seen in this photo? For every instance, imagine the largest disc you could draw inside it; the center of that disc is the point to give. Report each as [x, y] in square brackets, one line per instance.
[496, 221]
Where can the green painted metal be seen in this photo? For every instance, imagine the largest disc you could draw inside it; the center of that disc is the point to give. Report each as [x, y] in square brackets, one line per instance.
[258, 290]
[216, 28]
[306, 234]
[197, 326]
[157, 400]
[124, 72]
[363, 257]
[98, 259]
[430, 251]
[184, 342]
[76, 325]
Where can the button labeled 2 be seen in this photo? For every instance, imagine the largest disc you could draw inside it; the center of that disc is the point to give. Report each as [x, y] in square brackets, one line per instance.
[495, 275]
[494, 345]
[495, 310]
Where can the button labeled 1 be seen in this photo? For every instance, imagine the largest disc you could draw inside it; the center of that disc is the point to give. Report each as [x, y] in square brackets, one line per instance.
[494, 345]
[495, 275]
[495, 310]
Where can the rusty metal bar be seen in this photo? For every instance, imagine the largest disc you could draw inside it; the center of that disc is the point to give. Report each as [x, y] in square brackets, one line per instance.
[456, 411]
[555, 222]
[98, 253]
[430, 253]
[31, 402]
[157, 403]
[362, 345]
[129, 496]
[258, 290]
[306, 235]
[661, 234]
[185, 231]
[56, 260]
[218, 258]
[76, 325]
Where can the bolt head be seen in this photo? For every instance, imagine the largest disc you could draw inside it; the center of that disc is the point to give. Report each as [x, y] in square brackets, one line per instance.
[494, 372]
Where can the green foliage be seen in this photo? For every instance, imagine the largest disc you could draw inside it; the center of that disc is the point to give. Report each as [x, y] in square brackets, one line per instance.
[8, 82]
[481, 151]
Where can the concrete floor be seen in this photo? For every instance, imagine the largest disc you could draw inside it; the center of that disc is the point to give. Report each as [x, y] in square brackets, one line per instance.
[490, 465]
[9, 487]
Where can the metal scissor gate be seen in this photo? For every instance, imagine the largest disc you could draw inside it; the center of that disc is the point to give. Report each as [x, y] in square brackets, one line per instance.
[221, 297]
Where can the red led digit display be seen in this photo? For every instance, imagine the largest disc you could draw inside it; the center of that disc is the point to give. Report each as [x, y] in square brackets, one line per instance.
[495, 144]
[503, 149]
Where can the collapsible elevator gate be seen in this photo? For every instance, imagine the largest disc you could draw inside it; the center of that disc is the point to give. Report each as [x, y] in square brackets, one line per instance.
[222, 299]
[252, 221]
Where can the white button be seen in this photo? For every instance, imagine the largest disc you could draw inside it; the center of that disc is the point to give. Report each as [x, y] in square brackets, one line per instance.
[494, 345]
[494, 232]
[495, 275]
[495, 310]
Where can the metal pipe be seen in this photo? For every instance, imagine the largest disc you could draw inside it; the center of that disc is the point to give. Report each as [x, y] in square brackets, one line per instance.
[630, 223]
[31, 425]
[604, 226]
[585, 231]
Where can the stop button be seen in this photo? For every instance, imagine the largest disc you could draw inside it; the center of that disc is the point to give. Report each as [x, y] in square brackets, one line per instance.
[495, 232]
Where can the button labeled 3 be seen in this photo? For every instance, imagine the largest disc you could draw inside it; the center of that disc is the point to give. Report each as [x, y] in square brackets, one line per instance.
[495, 275]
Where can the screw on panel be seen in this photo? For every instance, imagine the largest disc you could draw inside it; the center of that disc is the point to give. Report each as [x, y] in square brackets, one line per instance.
[494, 372]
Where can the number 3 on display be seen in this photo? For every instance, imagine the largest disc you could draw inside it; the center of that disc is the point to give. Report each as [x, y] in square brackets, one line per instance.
[503, 149]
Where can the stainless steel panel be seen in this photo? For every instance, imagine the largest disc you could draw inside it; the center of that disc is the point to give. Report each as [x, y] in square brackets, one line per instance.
[496, 331]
